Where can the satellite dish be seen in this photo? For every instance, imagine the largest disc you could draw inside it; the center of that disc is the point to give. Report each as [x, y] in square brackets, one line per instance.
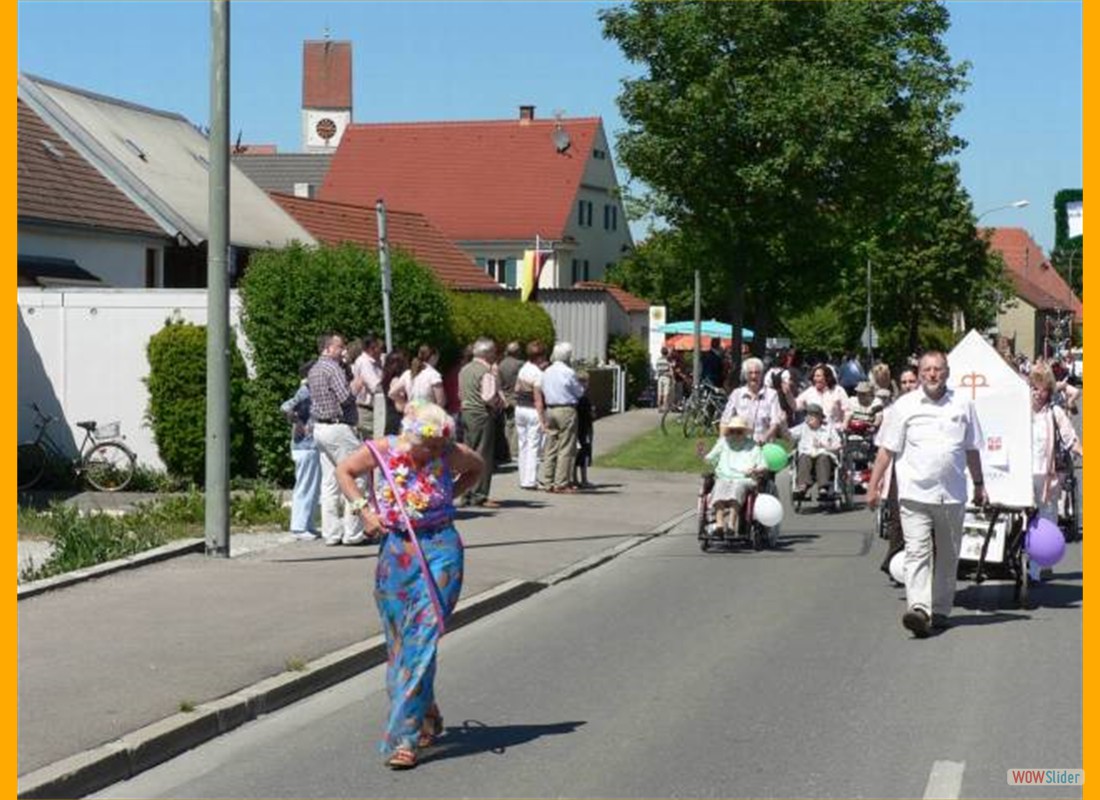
[561, 139]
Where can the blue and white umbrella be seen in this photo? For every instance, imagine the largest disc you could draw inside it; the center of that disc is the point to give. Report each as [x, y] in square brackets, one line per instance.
[708, 327]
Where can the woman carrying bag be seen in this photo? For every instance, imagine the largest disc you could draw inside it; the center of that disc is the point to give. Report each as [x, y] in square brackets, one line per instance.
[420, 560]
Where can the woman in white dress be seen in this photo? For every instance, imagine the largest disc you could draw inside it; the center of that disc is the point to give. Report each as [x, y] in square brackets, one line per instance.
[421, 382]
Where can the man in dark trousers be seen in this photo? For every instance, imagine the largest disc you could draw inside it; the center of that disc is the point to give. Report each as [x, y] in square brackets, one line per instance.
[481, 400]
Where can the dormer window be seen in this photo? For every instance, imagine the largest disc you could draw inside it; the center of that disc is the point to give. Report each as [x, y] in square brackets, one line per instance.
[599, 154]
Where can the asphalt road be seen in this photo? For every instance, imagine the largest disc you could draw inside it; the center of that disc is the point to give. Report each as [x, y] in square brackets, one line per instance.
[672, 673]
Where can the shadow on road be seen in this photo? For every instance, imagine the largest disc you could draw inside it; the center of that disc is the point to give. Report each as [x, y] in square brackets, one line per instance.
[474, 737]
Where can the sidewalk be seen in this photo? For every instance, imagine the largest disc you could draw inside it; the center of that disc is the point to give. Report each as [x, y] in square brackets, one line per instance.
[102, 659]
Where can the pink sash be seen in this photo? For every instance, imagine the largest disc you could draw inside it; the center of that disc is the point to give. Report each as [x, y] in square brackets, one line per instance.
[433, 590]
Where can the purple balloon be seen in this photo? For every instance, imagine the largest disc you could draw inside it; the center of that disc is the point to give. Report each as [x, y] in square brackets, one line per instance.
[1045, 543]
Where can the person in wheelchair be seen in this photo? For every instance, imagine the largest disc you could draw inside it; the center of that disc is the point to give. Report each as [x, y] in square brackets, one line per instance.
[864, 412]
[738, 462]
[818, 453]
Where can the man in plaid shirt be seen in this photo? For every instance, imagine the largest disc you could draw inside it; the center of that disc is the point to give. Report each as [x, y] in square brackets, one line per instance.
[334, 416]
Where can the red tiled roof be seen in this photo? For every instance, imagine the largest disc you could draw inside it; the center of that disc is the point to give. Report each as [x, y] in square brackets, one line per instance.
[334, 223]
[624, 298]
[57, 184]
[326, 74]
[491, 180]
[1031, 272]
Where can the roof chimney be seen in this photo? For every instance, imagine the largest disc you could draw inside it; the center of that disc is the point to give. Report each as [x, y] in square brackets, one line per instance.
[526, 113]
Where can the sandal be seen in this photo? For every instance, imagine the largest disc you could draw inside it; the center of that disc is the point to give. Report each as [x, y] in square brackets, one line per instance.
[402, 758]
[432, 729]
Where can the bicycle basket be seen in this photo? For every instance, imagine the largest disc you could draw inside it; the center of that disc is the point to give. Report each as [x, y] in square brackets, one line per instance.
[109, 431]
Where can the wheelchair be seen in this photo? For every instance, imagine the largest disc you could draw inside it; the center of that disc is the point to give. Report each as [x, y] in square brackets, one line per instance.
[839, 493]
[749, 531]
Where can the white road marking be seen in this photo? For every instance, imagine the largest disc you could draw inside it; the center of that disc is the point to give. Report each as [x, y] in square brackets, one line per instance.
[945, 780]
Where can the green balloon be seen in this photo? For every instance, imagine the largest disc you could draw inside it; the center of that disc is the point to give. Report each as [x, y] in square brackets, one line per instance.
[775, 457]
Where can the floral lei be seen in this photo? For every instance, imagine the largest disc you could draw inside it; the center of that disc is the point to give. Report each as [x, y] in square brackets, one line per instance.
[420, 487]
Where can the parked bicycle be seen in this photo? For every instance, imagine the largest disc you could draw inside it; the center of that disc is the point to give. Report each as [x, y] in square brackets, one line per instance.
[700, 411]
[104, 462]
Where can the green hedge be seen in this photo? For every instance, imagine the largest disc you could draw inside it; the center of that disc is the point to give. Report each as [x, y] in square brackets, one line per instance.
[502, 319]
[633, 356]
[177, 402]
[291, 296]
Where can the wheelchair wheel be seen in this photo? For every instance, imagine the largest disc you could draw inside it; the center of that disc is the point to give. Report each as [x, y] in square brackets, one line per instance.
[1021, 593]
[759, 536]
[1069, 516]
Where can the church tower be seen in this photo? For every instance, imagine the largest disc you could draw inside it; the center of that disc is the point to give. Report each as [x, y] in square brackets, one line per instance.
[326, 94]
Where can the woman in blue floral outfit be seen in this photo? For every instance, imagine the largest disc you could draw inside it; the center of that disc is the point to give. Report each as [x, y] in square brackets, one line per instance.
[417, 582]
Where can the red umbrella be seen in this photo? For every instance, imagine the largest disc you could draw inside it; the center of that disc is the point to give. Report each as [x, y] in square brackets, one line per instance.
[685, 341]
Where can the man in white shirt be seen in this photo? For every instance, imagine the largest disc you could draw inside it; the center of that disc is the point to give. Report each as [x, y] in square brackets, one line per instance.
[560, 390]
[932, 435]
[366, 379]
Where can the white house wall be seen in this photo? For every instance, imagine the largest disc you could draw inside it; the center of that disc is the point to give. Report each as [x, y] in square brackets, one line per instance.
[82, 356]
[598, 245]
[116, 260]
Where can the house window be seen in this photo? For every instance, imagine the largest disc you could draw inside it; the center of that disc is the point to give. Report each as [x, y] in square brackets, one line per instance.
[586, 269]
[498, 269]
[584, 213]
[150, 268]
[599, 154]
[575, 265]
[610, 217]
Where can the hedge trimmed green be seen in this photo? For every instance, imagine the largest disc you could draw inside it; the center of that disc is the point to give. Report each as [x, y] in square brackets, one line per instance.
[501, 319]
[177, 402]
[292, 296]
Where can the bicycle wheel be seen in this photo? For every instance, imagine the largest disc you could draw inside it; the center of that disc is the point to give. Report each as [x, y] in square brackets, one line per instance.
[692, 420]
[31, 464]
[109, 466]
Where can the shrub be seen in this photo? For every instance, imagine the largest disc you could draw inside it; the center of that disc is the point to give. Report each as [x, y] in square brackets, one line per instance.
[633, 356]
[291, 296]
[502, 319]
[177, 402]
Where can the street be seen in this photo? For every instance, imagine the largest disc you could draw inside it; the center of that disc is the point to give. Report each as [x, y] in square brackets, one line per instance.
[673, 673]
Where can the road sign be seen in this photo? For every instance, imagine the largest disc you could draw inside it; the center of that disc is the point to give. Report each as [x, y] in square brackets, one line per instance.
[874, 337]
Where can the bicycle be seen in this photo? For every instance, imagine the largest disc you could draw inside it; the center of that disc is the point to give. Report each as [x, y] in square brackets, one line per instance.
[700, 411]
[108, 465]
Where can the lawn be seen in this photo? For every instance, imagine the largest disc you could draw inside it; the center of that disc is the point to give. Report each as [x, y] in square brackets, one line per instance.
[658, 451]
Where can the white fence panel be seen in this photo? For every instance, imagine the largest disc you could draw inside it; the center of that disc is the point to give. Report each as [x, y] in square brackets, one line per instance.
[82, 356]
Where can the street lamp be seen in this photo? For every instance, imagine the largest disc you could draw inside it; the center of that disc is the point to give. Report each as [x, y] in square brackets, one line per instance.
[1015, 204]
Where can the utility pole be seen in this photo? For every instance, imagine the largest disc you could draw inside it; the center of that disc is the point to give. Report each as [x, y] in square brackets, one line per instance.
[217, 290]
[384, 262]
[697, 360]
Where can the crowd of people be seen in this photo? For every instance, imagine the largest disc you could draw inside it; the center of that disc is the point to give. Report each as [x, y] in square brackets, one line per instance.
[923, 438]
[529, 406]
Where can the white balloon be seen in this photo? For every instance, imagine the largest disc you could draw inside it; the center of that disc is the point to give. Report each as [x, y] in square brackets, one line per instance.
[767, 510]
[897, 566]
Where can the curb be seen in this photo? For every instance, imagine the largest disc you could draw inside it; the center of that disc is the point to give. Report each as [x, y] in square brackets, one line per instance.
[163, 553]
[91, 770]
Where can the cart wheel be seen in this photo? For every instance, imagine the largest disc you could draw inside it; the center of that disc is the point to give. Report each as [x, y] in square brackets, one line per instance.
[1022, 588]
[772, 537]
[704, 544]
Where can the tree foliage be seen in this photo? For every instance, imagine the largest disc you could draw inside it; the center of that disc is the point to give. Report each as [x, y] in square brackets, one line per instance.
[790, 141]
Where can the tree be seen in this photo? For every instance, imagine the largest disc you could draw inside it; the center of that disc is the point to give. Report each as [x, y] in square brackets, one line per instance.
[662, 270]
[776, 131]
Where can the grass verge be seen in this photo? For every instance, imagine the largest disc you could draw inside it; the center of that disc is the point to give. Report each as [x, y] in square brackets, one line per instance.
[658, 451]
[84, 540]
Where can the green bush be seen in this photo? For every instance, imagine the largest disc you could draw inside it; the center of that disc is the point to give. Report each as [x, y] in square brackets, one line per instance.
[292, 296]
[633, 356]
[177, 402]
[502, 319]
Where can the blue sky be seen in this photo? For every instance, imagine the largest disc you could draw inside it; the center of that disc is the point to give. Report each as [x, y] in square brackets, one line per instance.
[423, 60]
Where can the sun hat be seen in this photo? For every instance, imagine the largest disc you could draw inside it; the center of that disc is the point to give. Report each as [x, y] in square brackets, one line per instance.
[863, 387]
[736, 424]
